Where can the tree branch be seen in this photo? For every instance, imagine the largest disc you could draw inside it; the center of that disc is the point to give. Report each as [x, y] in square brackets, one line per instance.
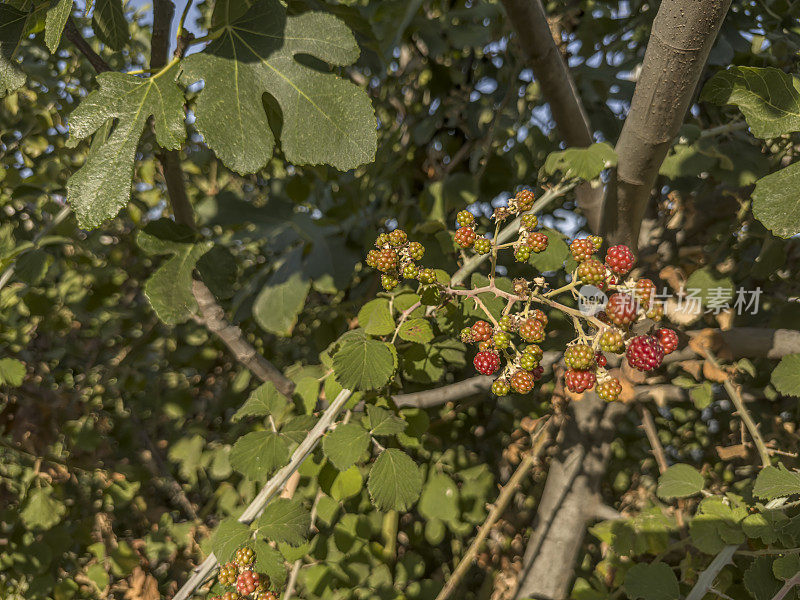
[163, 13]
[707, 577]
[682, 36]
[73, 35]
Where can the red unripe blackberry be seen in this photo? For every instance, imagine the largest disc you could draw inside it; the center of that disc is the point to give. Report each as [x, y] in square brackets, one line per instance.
[591, 272]
[538, 315]
[524, 200]
[645, 289]
[427, 275]
[579, 381]
[579, 356]
[522, 382]
[619, 259]
[465, 237]
[247, 583]
[486, 363]
[269, 596]
[600, 359]
[499, 388]
[582, 249]
[529, 221]
[398, 237]
[389, 282]
[481, 331]
[373, 256]
[387, 260]
[416, 250]
[537, 373]
[609, 390]
[244, 556]
[227, 574]
[485, 345]
[537, 242]
[644, 353]
[612, 340]
[464, 218]
[668, 340]
[621, 309]
[482, 245]
[531, 330]
[522, 253]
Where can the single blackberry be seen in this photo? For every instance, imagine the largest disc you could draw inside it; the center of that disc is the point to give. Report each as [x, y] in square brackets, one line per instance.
[600, 359]
[410, 271]
[481, 331]
[591, 272]
[464, 218]
[465, 237]
[244, 557]
[387, 260]
[416, 250]
[581, 249]
[486, 363]
[579, 381]
[619, 259]
[528, 361]
[531, 330]
[247, 583]
[499, 388]
[507, 323]
[579, 356]
[397, 238]
[524, 200]
[389, 282]
[382, 240]
[668, 340]
[522, 382]
[645, 290]
[482, 245]
[522, 253]
[427, 276]
[537, 242]
[466, 335]
[644, 353]
[621, 309]
[529, 222]
[612, 340]
[597, 241]
[539, 316]
[485, 345]
[227, 574]
[609, 390]
[373, 256]
[655, 312]
[534, 351]
[501, 339]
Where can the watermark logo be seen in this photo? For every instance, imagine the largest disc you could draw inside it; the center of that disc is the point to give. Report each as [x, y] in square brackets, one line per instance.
[591, 300]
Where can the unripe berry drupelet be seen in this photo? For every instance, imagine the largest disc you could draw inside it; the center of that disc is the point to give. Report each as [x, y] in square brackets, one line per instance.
[645, 290]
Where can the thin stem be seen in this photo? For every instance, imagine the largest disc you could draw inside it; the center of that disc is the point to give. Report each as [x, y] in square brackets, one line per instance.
[182, 20]
[494, 253]
[707, 577]
[74, 35]
[403, 316]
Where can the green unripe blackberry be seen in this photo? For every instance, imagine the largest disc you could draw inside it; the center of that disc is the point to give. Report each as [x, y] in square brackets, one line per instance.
[464, 218]
[389, 282]
[410, 271]
[579, 357]
[244, 557]
[528, 361]
[591, 272]
[501, 339]
[609, 390]
[529, 221]
[466, 335]
[506, 323]
[482, 245]
[597, 241]
[522, 254]
[612, 340]
[427, 275]
[227, 574]
[500, 388]
[397, 238]
[416, 250]
[382, 240]
[534, 351]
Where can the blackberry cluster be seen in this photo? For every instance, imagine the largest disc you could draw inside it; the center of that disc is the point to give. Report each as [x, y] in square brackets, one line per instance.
[241, 574]
[395, 257]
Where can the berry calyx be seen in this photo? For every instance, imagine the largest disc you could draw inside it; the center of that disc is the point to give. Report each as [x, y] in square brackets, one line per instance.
[578, 381]
[579, 356]
[591, 272]
[247, 582]
[465, 237]
[619, 259]
[500, 388]
[581, 249]
[609, 390]
[397, 238]
[537, 242]
[481, 331]
[612, 340]
[465, 218]
[644, 353]
[486, 363]
[482, 245]
[522, 382]
[668, 340]
[621, 309]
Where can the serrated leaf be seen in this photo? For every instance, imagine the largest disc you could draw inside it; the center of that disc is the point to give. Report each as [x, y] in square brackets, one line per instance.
[786, 567]
[12, 24]
[284, 521]
[583, 163]
[416, 330]
[265, 400]
[679, 481]
[228, 538]
[362, 363]
[344, 445]
[280, 301]
[257, 454]
[57, 16]
[102, 186]
[376, 318]
[109, 23]
[775, 482]
[768, 98]
[270, 562]
[169, 289]
[775, 204]
[42, 511]
[654, 581]
[395, 481]
[323, 119]
[380, 421]
[786, 376]
[12, 372]
[759, 580]
[439, 499]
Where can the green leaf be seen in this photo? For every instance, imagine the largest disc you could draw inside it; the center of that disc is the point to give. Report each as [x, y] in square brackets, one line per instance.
[439, 499]
[679, 481]
[775, 204]
[102, 186]
[395, 481]
[228, 538]
[552, 259]
[786, 376]
[716, 524]
[42, 511]
[583, 163]
[416, 330]
[57, 16]
[217, 269]
[345, 445]
[284, 521]
[12, 371]
[380, 421]
[257, 454]
[362, 363]
[759, 580]
[169, 288]
[109, 23]
[768, 98]
[343, 484]
[322, 119]
[264, 401]
[277, 306]
[775, 482]
[270, 562]
[711, 289]
[32, 266]
[12, 24]
[376, 318]
[786, 567]
[654, 581]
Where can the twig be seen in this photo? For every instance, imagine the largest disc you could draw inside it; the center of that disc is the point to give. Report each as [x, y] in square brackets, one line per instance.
[707, 577]
[73, 35]
[275, 483]
[292, 581]
[652, 436]
[538, 442]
